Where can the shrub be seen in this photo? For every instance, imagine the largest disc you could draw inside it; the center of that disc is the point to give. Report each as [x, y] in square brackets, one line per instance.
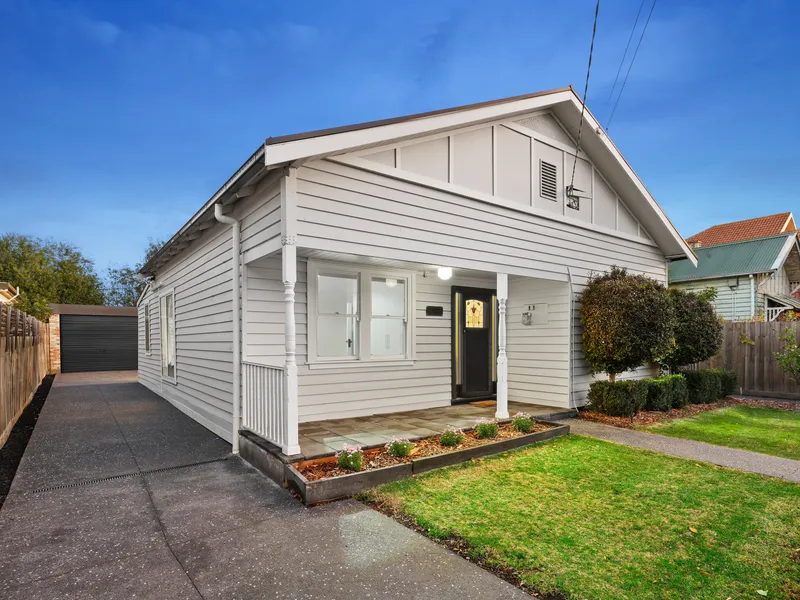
[664, 393]
[705, 386]
[789, 356]
[451, 436]
[399, 447]
[618, 398]
[727, 380]
[485, 428]
[627, 321]
[350, 458]
[697, 329]
[522, 422]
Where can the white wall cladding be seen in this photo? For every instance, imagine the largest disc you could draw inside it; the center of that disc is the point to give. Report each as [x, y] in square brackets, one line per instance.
[733, 295]
[504, 160]
[201, 279]
[538, 354]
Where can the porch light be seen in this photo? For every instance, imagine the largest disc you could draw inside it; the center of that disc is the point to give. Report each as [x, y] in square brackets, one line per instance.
[390, 282]
[445, 273]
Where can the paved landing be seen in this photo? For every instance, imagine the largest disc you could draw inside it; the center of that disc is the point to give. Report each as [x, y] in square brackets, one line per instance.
[763, 464]
[119, 495]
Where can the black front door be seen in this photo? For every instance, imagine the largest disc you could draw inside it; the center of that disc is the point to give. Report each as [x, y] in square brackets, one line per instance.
[474, 336]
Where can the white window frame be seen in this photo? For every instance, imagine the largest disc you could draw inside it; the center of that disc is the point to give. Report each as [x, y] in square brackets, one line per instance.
[148, 339]
[164, 329]
[365, 275]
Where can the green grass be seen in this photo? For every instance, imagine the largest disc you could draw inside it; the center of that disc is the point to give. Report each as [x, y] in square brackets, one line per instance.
[596, 520]
[775, 432]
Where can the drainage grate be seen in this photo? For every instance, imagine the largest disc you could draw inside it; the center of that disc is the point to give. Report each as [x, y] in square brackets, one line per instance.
[127, 475]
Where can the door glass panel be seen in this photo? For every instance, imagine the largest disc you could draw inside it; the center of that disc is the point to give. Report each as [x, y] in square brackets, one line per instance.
[388, 297]
[474, 314]
[337, 336]
[337, 294]
[388, 337]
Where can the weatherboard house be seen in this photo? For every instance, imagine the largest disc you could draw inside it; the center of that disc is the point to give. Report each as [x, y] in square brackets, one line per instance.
[397, 265]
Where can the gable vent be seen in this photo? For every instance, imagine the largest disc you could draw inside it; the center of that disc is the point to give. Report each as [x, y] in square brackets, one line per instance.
[548, 184]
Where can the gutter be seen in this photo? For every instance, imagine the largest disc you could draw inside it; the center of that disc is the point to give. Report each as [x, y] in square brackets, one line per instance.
[237, 331]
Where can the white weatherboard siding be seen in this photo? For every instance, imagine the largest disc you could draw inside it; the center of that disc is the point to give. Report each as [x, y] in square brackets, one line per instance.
[538, 368]
[346, 391]
[733, 301]
[201, 279]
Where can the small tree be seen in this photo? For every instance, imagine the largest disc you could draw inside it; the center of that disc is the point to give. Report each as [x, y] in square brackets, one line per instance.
[789, 356]
[697, 328]
[627, 321]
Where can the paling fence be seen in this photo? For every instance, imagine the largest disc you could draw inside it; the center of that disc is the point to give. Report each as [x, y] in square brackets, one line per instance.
[24, 361]
[749, 349]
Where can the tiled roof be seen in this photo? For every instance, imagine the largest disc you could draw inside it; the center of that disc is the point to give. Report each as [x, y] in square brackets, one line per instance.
[726, 260]
[743, 230]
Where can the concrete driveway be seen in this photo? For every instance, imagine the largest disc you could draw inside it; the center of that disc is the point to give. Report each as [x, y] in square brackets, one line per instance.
[119, 495]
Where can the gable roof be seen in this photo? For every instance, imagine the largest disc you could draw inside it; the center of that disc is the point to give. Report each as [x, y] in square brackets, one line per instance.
[746, 257]
[744, 230]
[564, 103]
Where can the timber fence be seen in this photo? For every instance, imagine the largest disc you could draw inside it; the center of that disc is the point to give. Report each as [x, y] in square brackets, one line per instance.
[749, 349]
[24, 361]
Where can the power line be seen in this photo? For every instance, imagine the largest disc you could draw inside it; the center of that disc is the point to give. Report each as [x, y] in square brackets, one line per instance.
[583, 105]
[624, 54]
[630, 66]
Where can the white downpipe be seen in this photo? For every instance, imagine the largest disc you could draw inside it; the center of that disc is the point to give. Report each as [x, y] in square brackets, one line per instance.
[237, 332]
[752, 296]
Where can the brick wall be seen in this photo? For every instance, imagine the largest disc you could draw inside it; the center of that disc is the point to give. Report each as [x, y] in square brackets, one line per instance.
[54, 329]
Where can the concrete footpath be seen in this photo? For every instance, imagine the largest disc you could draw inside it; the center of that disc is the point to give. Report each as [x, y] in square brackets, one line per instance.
[743, 460]
[120, 495]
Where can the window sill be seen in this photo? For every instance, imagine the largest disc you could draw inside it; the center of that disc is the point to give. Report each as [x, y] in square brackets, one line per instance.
[360, 364]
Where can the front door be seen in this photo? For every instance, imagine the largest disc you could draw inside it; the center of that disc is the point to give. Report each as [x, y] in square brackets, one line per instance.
[474, 340]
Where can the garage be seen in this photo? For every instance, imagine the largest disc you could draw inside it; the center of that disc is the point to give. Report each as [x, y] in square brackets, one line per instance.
[96, 338]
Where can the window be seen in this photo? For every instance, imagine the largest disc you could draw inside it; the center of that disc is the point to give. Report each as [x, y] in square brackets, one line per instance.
[474, 316]
[147, 328]
[358, 314]
[167, 319]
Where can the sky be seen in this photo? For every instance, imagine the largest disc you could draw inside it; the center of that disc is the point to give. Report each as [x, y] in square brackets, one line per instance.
[120, 118]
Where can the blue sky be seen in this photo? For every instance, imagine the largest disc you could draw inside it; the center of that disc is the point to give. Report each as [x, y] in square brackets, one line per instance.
[120, 118]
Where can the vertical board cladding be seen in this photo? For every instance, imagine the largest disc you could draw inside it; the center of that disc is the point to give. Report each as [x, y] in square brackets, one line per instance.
[538, 344]
[355, 391]
[733, 301]
[201, 278]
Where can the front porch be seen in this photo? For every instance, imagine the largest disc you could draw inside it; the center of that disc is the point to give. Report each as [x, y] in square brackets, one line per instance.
[318, 438]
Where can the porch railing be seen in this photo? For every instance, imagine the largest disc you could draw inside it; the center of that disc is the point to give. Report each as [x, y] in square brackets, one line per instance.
[263, 402]
[774, 313]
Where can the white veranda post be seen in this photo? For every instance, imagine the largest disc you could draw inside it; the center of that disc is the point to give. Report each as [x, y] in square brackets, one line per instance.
[502, 360]
[289, 268]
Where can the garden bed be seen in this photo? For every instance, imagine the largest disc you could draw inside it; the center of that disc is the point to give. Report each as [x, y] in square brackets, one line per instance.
[322, 479]
[649, 417]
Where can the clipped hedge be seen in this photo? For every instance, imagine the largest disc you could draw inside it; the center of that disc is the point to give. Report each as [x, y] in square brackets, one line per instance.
[709, 385]
[664, 393]
[619, 398]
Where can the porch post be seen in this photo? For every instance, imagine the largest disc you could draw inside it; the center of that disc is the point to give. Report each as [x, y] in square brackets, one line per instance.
[289, 268]
[502, 360]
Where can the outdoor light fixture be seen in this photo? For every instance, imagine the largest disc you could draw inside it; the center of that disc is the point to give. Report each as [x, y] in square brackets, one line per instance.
[390, 282]
[445, 273]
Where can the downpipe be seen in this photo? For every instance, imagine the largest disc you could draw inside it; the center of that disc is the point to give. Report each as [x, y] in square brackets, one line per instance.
[237, 331]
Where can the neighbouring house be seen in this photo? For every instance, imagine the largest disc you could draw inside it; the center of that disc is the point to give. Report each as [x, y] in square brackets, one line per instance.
[739, 231]
[85, 337]
[8, 293]
[752, 277]
[394, 265]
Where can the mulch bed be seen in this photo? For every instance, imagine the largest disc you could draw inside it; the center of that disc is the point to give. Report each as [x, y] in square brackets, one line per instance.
[377, 458]
[648, 417]
[12, 451]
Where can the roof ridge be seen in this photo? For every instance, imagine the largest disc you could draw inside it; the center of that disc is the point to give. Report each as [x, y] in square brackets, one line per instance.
[749, 240]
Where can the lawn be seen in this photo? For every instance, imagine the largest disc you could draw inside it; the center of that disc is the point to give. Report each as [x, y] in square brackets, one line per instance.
[775, 432]
[595, 520]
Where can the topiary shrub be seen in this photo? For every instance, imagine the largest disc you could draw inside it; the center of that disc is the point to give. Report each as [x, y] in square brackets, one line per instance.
[697, 328]
[627, 321]
[618, 398]
[665, 393]
[705, 386]
[727, 379]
